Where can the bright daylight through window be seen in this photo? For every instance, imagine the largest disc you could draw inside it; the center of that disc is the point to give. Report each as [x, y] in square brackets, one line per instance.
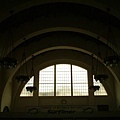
[63, 80]
[24, 91]
[101, 91]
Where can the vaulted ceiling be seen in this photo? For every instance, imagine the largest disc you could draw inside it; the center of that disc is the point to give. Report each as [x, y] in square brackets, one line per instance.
[46, 26]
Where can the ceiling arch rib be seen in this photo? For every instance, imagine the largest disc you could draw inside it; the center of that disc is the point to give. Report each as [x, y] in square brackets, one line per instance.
[18, 6]
[60, 44]
[45, 10]
[66, 29]
[48, 37]
[53, 29]
[54, 47]
[64, 48]
[70, 28]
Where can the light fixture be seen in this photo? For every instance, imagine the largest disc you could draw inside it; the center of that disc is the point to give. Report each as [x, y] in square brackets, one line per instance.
[100, 77]
[100, 73]
[7, 59]
[23, 75]
[94, 88]
[113, 58]
[8, 62]
[31, 88]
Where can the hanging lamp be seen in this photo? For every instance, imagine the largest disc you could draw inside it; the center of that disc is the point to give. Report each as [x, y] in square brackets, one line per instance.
[92, 87]
[8, 62]
[7, 59]
[31, 88]
[100, 73]
[23, 75]
[113, 58]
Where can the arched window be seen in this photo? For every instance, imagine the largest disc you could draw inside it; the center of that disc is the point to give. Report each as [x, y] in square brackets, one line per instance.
[24, 91]
[63, 80]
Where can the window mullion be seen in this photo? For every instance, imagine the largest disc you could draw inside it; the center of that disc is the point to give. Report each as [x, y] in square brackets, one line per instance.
[54, 80]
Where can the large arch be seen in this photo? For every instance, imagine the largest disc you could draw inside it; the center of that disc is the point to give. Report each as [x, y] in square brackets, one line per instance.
[94, 28]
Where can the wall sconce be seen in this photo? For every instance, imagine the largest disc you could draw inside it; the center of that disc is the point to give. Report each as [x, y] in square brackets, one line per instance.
[31, 88]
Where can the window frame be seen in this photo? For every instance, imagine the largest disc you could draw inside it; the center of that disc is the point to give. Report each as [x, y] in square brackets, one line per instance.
[70, 83]
[89, 75]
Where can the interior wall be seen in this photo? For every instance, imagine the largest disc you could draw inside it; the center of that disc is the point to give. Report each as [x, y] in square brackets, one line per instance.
[0, 87]
[23, 104]
[6, 88]
[117, 92]
[7, 98]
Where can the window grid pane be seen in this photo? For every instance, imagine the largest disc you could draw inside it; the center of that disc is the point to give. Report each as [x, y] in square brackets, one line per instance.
[80, 90]
[46, 89]
[63, 80]
[46, 81]
[60, 81]
[24, 91]
[63, 73]
[80, 81]
[63, 89]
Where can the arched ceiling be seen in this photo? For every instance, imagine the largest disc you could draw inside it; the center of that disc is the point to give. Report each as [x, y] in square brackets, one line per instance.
[33, 20]
[87, 16]
[24, 10]
[30, 19]
[47, 25]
